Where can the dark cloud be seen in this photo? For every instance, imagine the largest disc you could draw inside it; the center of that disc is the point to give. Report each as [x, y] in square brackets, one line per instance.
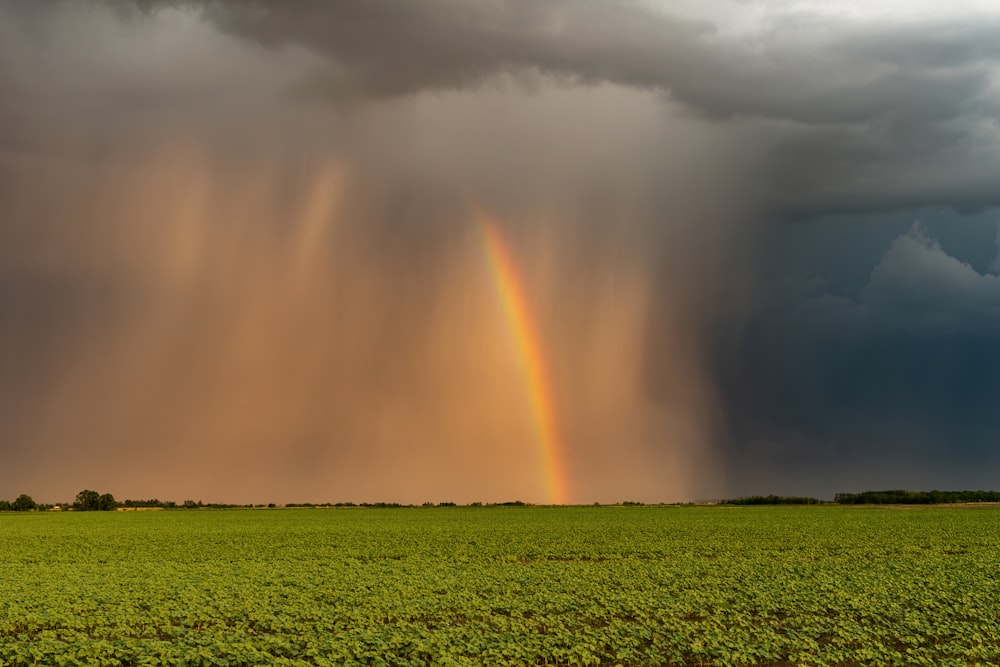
[879, 381]
[915, 289]
[858, 114]
[797, 68]
[854, 115]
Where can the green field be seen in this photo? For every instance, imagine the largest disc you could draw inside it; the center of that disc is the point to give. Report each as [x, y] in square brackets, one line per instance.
[502, 586]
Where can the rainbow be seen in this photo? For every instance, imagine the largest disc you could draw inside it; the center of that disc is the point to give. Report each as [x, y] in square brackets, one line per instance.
[530, 357]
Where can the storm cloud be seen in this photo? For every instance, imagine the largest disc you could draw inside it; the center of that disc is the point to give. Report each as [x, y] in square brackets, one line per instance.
[852, 108]
[239, 254]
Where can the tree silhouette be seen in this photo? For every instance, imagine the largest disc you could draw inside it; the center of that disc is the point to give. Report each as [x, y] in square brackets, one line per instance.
[23, 503]
[88, 501]
[106, 503]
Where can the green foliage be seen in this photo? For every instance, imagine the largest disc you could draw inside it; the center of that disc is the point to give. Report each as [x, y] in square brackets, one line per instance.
[630, 586]
[23, 503]
[92, 501]
[152, 502]
[106, 503]
[904, 497]
[87, 501]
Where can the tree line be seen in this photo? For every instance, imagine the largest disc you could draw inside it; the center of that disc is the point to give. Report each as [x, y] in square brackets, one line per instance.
[89, 500]
[773, 500]
[86, 501]
[904, 497]
[92, 501]
[23, 503]
[891, 497]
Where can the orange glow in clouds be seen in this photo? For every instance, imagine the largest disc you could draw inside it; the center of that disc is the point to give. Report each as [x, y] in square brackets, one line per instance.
[531, 358]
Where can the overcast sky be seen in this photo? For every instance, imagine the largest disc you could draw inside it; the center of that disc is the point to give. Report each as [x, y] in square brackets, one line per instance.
[241, 255]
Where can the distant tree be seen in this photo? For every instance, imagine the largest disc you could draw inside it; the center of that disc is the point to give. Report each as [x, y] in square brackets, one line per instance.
[106, 503]
[4, 505]
[23, 503]
[152, 502]
[190, 504]
[773, 500]
[87, 501]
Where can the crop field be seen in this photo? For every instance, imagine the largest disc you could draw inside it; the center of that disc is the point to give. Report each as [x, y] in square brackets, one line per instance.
[502, 586]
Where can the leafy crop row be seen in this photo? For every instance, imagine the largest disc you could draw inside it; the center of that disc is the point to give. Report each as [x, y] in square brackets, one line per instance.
[545, 586]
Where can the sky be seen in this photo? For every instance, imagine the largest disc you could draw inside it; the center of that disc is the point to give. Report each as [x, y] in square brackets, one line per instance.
[557, 251]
